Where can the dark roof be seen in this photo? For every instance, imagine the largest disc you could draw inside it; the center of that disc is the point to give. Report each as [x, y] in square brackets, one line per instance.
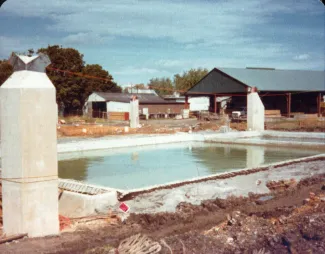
[124, 97]
[279, 80]
[234, 80]
[217, 81]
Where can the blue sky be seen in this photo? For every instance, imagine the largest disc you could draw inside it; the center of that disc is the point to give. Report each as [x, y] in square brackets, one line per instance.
[139, 40]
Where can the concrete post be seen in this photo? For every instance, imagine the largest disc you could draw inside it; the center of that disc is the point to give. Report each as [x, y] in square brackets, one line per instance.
[134, 112]
[29, 149]
[255, 112]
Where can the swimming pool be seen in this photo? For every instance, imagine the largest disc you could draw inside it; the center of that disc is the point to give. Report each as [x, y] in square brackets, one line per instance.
[142, 166]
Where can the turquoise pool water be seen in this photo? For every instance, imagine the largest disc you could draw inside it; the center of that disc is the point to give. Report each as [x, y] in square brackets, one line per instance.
[137, 167]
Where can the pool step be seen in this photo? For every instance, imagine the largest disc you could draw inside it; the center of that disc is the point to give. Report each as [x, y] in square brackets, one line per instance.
[80, 187]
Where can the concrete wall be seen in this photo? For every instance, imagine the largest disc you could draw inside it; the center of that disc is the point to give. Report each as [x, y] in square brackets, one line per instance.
[72, 204]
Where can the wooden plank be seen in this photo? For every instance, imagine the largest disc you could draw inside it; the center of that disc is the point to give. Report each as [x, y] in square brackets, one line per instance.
[118, 116]
[272, 112]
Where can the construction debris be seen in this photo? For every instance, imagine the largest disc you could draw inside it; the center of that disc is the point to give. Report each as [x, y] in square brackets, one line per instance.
[138, 244]
[281, 185]
[65, 222]
[279, 224]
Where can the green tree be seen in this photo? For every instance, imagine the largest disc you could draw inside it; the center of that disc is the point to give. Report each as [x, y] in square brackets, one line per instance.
[189, 78]
[5, 71]
[90, 85]
[162, 86]
[139, 86]
[73, 90]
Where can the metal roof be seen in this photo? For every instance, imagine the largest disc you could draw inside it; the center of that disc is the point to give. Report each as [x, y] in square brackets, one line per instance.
[124, 97]
[218, 82]
[279, 80]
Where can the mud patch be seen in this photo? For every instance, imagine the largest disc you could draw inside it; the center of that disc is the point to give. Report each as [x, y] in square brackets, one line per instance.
[284, 224]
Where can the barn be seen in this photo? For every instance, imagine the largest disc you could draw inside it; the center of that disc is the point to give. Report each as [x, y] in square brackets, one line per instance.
[289, 92]
[117, 105]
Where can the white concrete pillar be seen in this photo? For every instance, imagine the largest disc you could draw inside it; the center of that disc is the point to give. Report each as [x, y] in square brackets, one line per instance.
[134, 112]
[255, 112]
[29, 149]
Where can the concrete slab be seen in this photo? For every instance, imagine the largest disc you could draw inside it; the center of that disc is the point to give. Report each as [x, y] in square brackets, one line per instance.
[72, 204]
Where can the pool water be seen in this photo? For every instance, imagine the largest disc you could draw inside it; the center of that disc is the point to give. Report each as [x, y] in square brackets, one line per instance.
[137, 167]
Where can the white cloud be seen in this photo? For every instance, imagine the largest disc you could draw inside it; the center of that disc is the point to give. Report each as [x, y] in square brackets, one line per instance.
[182, 21]
[19, 44]
[301, 57]
[170, 63]
[8, 44]
[132, 70]
[209, 33]
[85, 39]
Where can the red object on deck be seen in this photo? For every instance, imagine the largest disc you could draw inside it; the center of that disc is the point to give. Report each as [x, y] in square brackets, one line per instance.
[124, 207]
[65, 222]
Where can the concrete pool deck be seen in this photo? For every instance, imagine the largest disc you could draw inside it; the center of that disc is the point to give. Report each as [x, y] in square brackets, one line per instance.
[240, 183]
[86, 144]
[141, 140]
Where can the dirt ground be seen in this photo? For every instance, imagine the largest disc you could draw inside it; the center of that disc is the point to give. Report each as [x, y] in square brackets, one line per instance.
[289, 219]
[76, 127]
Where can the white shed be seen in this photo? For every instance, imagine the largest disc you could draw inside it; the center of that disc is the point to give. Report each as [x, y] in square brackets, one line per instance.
[101, 104]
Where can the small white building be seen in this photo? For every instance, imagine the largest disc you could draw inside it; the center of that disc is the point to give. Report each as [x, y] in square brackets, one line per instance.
[101, 104]
[201, 103]
[97, 102]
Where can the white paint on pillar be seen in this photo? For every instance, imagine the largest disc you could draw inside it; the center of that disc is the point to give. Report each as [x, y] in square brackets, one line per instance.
[29, 150]
[134, 113]
[255, 112]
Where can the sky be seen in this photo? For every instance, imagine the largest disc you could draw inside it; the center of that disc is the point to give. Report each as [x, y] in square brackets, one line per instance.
[139, 40]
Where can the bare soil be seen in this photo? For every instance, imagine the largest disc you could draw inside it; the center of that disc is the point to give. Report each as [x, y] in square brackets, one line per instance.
[79, 128]
[289, 219]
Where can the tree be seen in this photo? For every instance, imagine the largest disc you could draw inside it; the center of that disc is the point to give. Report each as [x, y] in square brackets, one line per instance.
[67, 86]
[162, 86]
[139, 86]
[5, 71]
[73, 90]
[189, 78]
[90, 85]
